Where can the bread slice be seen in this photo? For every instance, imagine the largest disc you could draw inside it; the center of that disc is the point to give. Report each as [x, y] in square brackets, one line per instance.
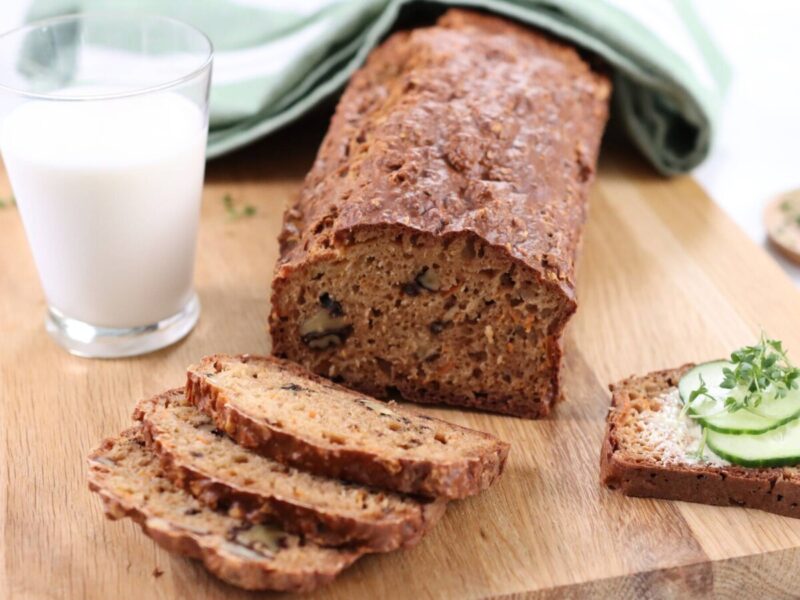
[432, 249]
[281, 411]
[648, 451]
[204, 461]
[128, 478]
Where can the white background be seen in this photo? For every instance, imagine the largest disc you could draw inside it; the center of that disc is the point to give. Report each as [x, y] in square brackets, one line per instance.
[757, 150]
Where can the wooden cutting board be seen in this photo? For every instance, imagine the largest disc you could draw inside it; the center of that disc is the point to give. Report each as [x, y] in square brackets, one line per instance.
[665, 278]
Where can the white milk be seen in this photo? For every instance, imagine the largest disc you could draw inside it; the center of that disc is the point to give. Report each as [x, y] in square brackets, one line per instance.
[109, 193]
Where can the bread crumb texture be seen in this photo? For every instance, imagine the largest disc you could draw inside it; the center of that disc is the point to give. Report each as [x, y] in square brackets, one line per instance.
[654, 429]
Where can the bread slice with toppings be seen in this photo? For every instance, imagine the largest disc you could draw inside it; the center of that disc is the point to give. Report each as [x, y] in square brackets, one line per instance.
[199, 458]
[285, 413]
[128, 478]
[650, 452]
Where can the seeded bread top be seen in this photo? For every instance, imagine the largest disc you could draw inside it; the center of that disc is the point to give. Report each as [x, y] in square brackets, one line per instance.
[126, 472]
[475, 125]
[191, 439]
[327, 415]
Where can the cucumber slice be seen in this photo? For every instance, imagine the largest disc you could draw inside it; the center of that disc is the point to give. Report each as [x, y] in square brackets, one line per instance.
[776, 448]
[712, 414]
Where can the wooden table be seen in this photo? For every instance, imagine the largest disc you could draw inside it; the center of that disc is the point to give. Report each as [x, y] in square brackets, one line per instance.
[665, 277]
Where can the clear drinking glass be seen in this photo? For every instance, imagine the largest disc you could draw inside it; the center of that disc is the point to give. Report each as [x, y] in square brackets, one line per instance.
[103, 126]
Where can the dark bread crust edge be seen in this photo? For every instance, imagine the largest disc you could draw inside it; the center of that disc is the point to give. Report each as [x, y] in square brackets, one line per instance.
[451, 480]
[313, 523]
[246, 574]
[774, 489]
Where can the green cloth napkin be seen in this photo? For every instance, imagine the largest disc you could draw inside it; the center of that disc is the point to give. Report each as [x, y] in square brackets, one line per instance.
[276, 59]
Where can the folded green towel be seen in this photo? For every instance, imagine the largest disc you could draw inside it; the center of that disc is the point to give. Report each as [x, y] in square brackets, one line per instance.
[275, 59]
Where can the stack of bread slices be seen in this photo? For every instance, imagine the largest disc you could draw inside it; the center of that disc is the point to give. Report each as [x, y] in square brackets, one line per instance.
[278, 479]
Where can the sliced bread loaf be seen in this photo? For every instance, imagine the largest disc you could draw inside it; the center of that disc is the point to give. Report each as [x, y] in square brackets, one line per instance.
[432, 249]
[204, 461]
[650, 451]
[128, 478]
[281, 411]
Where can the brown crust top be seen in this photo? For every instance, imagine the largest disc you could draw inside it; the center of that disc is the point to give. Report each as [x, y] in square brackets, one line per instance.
[477, 125]
[303, 517]
[459, 478]
[244, 573]
[775, 489]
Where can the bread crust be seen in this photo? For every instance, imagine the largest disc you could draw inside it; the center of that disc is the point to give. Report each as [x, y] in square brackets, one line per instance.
[520, 228]
[513, 169]
[452, 480]
[774, 489]
[247, 574]
[303, 518]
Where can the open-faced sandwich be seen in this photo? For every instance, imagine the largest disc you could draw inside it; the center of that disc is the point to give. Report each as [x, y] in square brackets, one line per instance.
[725, 432]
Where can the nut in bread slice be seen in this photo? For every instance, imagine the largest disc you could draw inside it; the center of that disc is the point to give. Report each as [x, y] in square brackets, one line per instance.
[650, 451]
[128, 478]
[285, 413]
[201, 459]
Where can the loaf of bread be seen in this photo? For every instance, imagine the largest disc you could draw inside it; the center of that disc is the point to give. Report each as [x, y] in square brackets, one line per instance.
[199, 458]
[129, 480]
[647, 452]
[277, 409]
[431, 251]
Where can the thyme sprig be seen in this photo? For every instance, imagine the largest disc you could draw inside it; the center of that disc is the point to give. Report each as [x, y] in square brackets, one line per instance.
[10, 201]
[248, 210]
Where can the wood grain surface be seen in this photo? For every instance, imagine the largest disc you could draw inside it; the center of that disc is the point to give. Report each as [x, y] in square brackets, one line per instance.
[664, 278]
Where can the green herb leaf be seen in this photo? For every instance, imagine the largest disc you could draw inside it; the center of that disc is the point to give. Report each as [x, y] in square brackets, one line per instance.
[233, 213]
[700, 392]
[760, 373]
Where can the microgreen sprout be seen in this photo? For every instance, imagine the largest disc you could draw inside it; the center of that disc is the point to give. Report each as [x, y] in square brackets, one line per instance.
[700, 392]
[757, 375]
[701, 447]
[760, 373]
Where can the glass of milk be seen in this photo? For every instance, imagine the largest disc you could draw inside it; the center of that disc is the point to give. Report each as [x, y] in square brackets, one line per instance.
[103, 125]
